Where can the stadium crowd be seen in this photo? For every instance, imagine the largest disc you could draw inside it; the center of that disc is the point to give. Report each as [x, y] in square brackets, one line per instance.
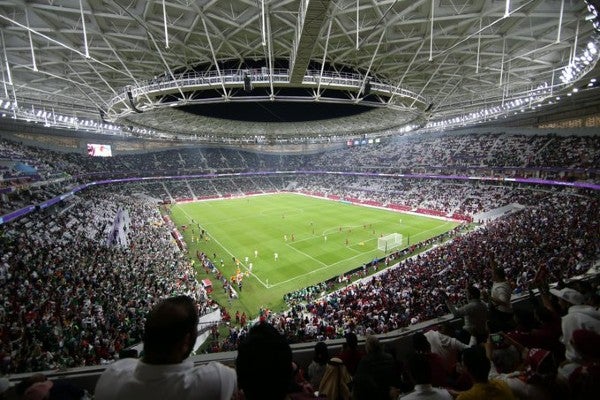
[69, 299]
[491, 154]
[405, 154]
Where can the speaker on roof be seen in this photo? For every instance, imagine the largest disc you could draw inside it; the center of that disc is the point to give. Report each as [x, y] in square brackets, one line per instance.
[367, 90]
[247, 83]
[130, 97]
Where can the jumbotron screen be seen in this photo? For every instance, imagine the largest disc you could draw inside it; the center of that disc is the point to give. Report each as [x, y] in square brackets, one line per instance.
[99, 150]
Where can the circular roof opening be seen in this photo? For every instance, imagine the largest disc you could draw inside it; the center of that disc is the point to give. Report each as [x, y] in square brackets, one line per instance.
[281, 111]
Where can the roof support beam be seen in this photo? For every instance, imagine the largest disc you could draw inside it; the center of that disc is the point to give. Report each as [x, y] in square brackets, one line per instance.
[214, 56]
[311, 16]
[48, 38]
[324, 58]
[364, 82]
[269, 43]
[406, 70]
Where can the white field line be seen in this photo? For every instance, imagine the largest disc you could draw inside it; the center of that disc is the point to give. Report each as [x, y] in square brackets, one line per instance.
[230, 253]
[325, 266]
[346, 259]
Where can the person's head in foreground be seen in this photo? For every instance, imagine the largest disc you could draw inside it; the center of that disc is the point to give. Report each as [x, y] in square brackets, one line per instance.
[170, 331]
[264, 364]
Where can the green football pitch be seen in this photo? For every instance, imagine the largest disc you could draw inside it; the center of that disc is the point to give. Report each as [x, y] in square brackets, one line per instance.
[291, 240]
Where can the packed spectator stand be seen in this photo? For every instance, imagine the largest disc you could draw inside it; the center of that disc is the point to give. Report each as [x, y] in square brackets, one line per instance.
[70, 300]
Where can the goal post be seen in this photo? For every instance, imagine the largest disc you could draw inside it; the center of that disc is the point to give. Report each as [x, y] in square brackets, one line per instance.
[389, 242]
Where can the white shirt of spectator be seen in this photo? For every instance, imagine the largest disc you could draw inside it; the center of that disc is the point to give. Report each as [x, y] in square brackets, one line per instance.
[132, 379]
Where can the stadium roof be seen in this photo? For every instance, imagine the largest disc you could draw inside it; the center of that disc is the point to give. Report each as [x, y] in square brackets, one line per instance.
[207, 69]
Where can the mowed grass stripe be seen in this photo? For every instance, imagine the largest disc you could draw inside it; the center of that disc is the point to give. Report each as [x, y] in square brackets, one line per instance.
[330, 238]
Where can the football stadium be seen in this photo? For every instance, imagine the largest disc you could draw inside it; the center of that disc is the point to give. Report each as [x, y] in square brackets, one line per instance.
[294, 199]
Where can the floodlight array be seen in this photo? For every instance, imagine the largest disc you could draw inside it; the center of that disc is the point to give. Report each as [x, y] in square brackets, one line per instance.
[581, 64]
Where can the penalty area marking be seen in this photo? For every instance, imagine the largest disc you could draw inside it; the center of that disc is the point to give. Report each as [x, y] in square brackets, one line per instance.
[344, 260]
[325, 266]
[331, 231]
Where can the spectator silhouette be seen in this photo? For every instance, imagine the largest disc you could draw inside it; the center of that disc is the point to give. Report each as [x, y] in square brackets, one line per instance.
[578, 316]
[446, 346]
[420, 374]
[501, 312]
[375, 373]
[437, 365]
[264, 364]
[475, 317]
[478, 367]
[336, 381]
[583, 376]
[316, 368]
[350, 354]
[165, 370]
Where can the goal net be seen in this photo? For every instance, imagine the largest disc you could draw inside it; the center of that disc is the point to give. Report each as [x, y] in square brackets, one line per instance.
[388, 242]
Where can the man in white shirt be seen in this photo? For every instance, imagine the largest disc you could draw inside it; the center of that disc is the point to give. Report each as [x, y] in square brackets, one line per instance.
[445, 345]
[501, 312]
[579, 316]
[165, 372]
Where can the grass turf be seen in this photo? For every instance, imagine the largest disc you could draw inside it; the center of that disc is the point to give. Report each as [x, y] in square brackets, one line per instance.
[324, 239]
